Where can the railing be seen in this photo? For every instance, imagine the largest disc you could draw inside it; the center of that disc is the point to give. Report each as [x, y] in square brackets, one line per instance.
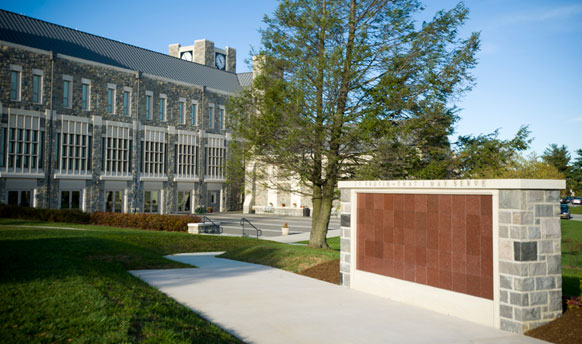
[242, 224]
[215, 225]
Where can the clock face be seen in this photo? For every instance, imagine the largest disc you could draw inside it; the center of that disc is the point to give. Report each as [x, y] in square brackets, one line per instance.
[186, 56]
[220, 61]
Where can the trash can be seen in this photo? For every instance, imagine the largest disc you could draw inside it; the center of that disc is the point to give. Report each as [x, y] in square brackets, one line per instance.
[306, 212]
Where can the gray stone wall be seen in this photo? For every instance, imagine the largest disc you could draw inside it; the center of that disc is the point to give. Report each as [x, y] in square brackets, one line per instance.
[530, 269]
[100, 76]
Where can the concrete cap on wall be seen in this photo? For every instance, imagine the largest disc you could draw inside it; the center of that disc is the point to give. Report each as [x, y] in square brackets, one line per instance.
[500, 184]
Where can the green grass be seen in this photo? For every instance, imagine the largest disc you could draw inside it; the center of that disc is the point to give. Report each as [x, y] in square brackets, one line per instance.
[334, 243]
[73, 285]
[571, 257]
[576, 210]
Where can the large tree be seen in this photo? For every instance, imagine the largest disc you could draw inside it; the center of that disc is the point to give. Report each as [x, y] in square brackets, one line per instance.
[349, 84]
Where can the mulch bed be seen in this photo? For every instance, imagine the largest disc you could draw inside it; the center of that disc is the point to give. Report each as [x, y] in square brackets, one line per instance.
[566, 329]
[328, 272]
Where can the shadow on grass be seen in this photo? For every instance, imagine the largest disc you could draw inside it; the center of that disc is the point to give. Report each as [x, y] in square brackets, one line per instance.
[571, 285]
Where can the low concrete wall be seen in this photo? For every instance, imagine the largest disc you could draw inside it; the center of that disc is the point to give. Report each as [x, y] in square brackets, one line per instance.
[483, 250]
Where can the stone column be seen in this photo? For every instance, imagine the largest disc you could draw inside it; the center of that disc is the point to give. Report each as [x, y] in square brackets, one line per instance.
[345, 237]
[529, 258]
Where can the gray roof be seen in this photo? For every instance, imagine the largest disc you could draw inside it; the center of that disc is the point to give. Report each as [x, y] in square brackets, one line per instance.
[245, 79]
[19, 29]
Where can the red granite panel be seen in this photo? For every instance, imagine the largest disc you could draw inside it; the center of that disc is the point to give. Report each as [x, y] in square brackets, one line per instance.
[421, 203]
[378, 201]
[388, 202]
[432, 259]
[473, 235]
[432, 231]
[421, 274]
[473, 285]
[432, 277]
[444, 241]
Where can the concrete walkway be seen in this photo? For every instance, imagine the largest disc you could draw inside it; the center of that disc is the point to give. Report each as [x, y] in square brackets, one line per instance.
[260, 304]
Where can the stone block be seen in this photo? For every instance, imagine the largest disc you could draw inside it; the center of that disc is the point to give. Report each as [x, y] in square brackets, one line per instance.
[539, 298]
[534, 232]
[505, 282]
[346, 257]
[554, 264]
[544, 283]
[505, 249]
[346, 233]
[535, 196]
[506, 311]
[511, 199]
[511, 326]
[518, 232]
[552, 196]
[525, 251]
[546, 246]
[550, 228]
[558, 279]
[504, 296]
[346, 207]
[505, 217]
[544, 210]
[555, 301]
[524, 284]
[528, 314]
[345, 280]
[345, 245]
[503, 232]
[513, 268]
[522, 218]
[537, 269]
[519, 299]
[346, 220]
[346, 195]
[344, 267]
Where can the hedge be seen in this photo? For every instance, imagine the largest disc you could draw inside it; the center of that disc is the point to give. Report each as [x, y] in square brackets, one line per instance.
[167, 223]
[47, 215]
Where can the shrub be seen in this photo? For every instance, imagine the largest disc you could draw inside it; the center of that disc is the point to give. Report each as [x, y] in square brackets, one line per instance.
[47, 215]
[167, 223]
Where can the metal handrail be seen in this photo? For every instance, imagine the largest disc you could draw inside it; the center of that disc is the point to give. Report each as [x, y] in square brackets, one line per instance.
[204, 218]
[242, 223]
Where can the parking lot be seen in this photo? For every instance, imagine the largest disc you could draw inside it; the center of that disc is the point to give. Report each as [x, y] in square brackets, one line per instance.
[269, 224]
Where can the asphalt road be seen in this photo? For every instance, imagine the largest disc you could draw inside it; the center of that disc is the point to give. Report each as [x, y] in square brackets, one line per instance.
[269, 224]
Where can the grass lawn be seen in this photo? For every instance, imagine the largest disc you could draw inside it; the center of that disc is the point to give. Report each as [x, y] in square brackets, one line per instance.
[576, 210]
[334, 243]
[571, 257]
[73, 285]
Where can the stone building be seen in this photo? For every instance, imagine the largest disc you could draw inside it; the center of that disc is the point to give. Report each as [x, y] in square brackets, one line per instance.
[100, 125]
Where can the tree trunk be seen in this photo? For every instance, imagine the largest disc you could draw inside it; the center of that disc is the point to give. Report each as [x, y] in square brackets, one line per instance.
[322, 204]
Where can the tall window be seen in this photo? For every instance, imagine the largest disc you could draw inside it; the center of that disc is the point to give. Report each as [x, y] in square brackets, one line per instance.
[15, 78]
[86, 94]
[181, 106]
[221, 117]
[210, 116]
[70, 199]
[215, 154]
[151, 201]
[186, 154]
[194, 112]
[74, 153]
[22, 140]
[114, 201]
[67, 91]
[126, 103]
[148, 105]
[153, 152]
[21, 198]
[184, 201]
[163, 107]
[37, 86]
[117, 151]
[111, 98]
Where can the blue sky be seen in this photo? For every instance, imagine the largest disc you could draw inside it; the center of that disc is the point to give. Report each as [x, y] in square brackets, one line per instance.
[529, 71]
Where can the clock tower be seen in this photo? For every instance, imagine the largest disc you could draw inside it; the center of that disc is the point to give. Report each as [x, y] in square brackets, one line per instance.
[204, 52]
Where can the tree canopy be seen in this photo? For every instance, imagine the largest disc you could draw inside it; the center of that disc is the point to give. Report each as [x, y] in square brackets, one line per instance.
[352, 87]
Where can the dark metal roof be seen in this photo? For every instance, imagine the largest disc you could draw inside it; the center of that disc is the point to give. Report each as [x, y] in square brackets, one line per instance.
[245, 79]
[35, 33]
